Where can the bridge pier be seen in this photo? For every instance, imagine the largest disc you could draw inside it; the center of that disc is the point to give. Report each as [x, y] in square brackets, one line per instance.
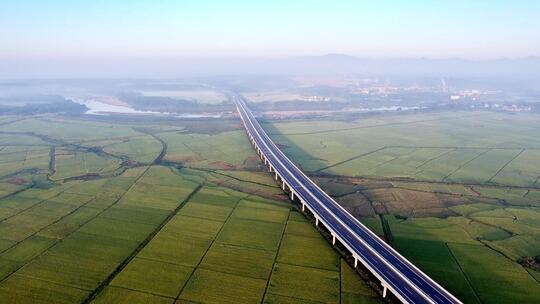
[334, 224]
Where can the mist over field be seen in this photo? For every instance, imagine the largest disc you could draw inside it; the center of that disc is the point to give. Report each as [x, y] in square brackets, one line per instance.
[121, 67]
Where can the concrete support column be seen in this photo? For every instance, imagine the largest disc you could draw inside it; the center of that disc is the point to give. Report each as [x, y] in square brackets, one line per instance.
[276, 176]
[283, 186]
[316, 221]
[333, 239]
[355, 262]
[384, 291]
[292, 196]
[303, 207]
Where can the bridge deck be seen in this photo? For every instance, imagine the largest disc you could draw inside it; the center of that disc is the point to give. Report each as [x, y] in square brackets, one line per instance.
[401, 277]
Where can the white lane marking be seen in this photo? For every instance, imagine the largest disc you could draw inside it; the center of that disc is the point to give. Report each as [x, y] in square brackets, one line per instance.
[396, 255]
[352, 233]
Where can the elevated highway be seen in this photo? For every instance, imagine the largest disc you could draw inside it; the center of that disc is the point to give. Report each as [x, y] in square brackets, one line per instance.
[396, 274]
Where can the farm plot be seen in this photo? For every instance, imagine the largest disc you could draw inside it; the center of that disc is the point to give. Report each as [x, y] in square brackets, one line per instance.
[143, 149]
[236, 240]
[513, 281]
[226, 150]
[446, 142]
[71, 164]
[436, 246]
[15, 159]
[484, 168]
[70, 130]
[96, 236]
[225, 246]
[460, 180]
[522, 171]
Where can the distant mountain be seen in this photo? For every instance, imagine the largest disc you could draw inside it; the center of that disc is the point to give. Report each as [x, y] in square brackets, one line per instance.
[327, 64]
[338, 63]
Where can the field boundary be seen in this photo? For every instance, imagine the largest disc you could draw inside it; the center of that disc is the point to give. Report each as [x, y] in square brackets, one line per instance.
[506, 164]
[177, 298]
[82, 225]
[276, 256]
[351, 159]
[427, 161]
[465, 164]
[463, 272]
[132, 255]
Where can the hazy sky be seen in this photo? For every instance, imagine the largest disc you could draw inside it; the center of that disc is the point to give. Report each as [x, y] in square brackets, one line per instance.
[475, 29]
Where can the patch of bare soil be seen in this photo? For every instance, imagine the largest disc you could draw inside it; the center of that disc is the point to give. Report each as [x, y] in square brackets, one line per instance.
[255, 191]
[251, 162]
[222, 165]
[408, 202]
[85, 177]
[16, 181]
[357, 205]
[365, 183]
[432, 212]
[454, 200]
[130, 163]
[183, 159]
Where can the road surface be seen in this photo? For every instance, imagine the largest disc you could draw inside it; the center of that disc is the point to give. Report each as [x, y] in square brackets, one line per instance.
[397, 274]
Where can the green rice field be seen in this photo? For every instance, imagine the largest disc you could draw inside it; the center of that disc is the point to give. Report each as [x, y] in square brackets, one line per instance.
[93, 211]
[457, 193]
